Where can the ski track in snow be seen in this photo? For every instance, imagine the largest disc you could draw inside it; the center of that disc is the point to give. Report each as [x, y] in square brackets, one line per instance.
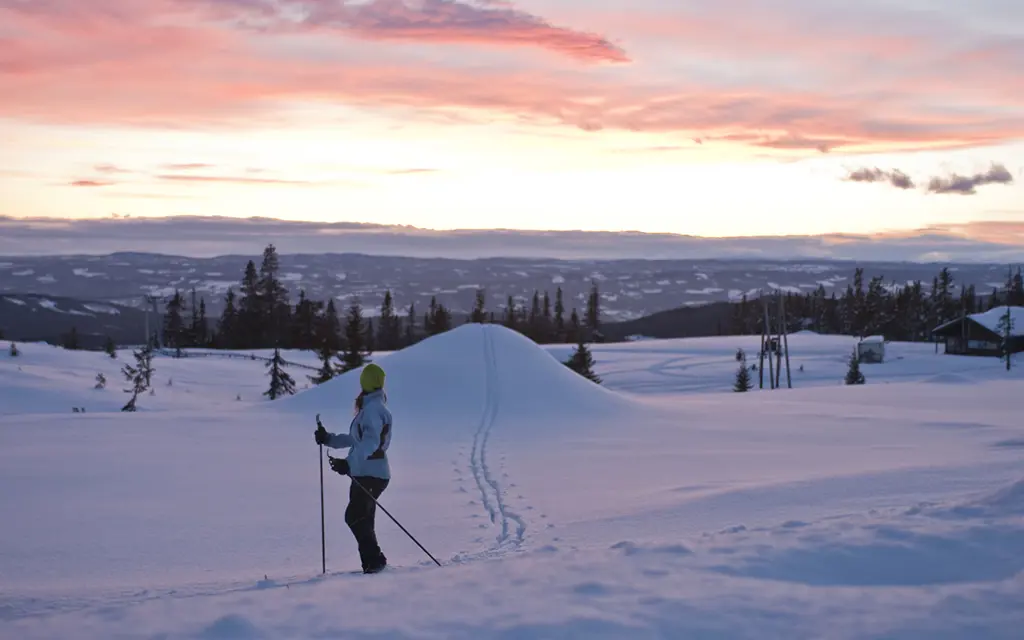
[491, 491]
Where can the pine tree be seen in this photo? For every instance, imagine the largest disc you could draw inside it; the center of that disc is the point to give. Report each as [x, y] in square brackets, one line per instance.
[194, 339]
[14, 350]
[559, 328]
[582, 361]
[574, 332]
[478, 314]
[410, 325]
[593, 318]
[355, 353]
[389, 329]
[510, 313]
[110, 348]
[304, 323]
[1005, 328]
[853, 374]
[227, 326]
[250, 330]
[273, 300]
[202, 330]
[371, 337]
[328, 328]
[743, 381]
[101, 381]
[138, 376]
[174, 326]
[326, 354]
[280, 382]
[545, 320]
[71, 339]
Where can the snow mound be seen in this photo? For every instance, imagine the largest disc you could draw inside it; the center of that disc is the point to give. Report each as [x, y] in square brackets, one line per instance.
[1005, 502]
[948, 378]
[457, 376]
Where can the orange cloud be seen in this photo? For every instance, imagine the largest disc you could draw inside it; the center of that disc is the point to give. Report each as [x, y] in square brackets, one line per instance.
[91, 183]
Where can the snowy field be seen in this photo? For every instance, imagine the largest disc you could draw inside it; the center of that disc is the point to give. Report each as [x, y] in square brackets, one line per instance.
[658, 505]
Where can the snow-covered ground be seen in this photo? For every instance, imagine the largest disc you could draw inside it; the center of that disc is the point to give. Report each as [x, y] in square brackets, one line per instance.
[658, 505]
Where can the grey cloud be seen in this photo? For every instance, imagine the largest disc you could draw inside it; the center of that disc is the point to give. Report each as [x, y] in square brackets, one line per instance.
[967, 185]
[213, 236]
[894, 177]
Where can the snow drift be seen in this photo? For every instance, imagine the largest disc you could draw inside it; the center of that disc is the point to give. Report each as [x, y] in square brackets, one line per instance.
[455, 377]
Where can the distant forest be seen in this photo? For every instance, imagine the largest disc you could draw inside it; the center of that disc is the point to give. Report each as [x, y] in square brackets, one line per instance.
[261, 314]
[903, 313]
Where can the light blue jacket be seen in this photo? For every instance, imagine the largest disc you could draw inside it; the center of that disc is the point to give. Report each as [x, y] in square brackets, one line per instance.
[369, 435]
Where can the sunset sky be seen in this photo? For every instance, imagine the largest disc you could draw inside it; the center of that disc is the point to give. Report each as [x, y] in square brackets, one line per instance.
[732, 117]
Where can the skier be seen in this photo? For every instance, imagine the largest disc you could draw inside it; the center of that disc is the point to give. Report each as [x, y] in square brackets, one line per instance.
[367, 462]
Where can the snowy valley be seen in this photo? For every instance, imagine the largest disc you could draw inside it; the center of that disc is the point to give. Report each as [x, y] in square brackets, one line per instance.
[658, 504]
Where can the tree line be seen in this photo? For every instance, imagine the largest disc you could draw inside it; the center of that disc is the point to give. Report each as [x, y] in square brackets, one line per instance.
[260, 315]
[906, 312]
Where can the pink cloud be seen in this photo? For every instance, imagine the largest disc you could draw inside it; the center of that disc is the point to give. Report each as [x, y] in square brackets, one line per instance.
[183, 63]
[91, 183]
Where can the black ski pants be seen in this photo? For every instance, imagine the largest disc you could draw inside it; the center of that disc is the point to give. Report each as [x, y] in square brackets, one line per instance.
[359, 516]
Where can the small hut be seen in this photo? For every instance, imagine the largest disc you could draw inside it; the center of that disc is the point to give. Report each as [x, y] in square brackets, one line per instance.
[871, 349]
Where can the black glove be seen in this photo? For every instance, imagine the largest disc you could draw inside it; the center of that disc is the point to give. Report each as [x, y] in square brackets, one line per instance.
[321, 435]
[339, 465]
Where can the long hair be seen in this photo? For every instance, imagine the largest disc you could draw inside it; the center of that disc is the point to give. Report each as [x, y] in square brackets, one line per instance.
[359, 399]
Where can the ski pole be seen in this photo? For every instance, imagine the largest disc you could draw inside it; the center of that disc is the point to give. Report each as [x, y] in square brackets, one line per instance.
[357, 483]
[323, 526]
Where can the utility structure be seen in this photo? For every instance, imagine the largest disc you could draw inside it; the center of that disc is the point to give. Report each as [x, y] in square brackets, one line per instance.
[774, 341]
[149, 301]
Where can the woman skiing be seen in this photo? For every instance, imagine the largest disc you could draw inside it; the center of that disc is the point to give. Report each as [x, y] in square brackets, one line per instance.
[368, 437]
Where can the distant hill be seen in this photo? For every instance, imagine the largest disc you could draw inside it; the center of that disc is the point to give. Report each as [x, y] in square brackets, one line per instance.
[685, 322]
[38, 318]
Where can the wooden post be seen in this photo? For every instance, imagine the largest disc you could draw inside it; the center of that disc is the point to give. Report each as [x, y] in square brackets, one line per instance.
[760, 366]
[768, 332]
[785, 338]
[778, 346]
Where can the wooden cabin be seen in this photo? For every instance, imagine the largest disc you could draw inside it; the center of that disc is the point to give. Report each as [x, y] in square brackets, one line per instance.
[981, 334]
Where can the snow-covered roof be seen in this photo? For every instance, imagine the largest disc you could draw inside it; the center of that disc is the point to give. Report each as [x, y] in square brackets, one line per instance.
[873, 339]
[990, 320]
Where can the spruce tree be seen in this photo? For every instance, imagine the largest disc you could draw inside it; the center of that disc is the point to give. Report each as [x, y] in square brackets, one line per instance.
[389, 329]
[410, 325]
[174, 326]
[101, 381]
[478, 315]
[227, 326]
[110, 348]
[355, 353]
[510, 313]
[573, 332]
[202, 330]
[71, 339]
[743, 381]
[273, 300]
[328, 327]
[138, 376]
[194, 339]
[281, 383]
[582, 361]
[559, 328]
[14, 350]
[593, 317]
[853, 373]
[251, 319]
[326, 354]
[304, 323]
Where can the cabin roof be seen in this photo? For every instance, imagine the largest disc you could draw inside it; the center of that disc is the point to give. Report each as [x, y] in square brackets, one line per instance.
[990, 320]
